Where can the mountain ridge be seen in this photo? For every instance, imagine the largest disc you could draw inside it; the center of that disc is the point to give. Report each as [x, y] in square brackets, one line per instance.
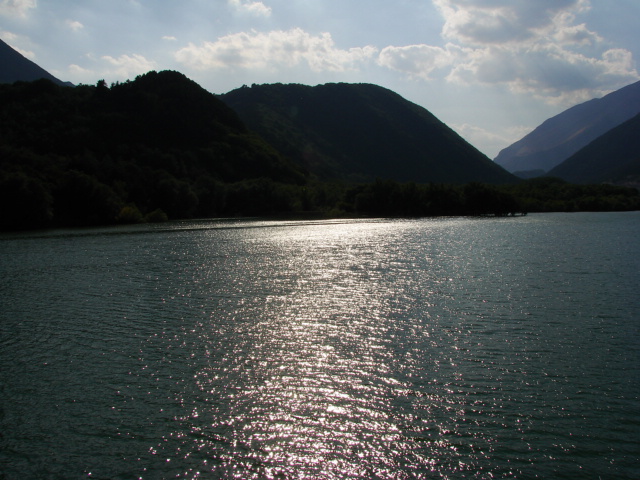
[162, 147]
[559, 137]
[360, 132]
[83, 155]
[613, 157]
[16, 67]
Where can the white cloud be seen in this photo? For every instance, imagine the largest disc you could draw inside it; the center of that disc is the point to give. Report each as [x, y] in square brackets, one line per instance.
[125, 66]
[258, 9]
[7, 36]
[82, 75]
[576, 35]
[618, 61]
[77, 69]
[74, 25]
[16, 8]
[25, 53]
[169, 38]
[13, 40]
[491, 22]
[547, 71]
[273, 50]
[419, 61]
[533, 47]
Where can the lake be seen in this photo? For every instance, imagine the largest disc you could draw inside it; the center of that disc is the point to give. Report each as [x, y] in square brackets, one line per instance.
[447, 348]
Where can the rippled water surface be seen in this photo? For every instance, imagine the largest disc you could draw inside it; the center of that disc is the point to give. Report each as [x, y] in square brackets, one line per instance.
[448, 348]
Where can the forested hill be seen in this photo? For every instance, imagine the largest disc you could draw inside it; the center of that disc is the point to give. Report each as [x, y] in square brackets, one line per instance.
[79, 156]
[162, 147]
[360, 132]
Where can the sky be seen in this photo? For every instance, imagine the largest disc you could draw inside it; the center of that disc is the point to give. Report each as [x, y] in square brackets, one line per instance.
[492, 70]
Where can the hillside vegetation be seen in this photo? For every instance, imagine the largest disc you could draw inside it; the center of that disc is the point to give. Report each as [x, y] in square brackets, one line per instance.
[360, 132]
[161, 147]
[158, 145]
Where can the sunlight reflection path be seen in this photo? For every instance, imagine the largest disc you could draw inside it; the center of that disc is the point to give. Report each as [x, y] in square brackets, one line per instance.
[365, 350]
[308, 383]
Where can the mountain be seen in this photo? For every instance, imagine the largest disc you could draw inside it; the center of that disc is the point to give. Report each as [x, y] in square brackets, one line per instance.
[85, 155]
[161, 147]
[360, 132]
[613, 158]
[16, 67]
[561, 136]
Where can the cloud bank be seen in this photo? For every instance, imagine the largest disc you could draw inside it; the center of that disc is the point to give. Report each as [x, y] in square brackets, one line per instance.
[537, 48]
[273, 51]
[122, 67]
[16, 8]
[127, 66]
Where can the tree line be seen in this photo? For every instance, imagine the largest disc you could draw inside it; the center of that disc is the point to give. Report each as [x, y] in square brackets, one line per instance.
[80, 199]
[161, 148]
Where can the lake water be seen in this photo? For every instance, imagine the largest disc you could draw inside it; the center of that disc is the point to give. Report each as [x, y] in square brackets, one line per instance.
[386, 349]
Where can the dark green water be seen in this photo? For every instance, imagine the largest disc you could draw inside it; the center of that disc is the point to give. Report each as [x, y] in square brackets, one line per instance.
[449, 348]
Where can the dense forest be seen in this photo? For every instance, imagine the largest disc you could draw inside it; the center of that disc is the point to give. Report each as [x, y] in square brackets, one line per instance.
[360, 132]
[161, 147]
[390, 198]
[156, 147]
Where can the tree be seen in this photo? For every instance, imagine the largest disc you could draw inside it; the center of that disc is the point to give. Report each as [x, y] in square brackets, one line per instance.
[25, 202]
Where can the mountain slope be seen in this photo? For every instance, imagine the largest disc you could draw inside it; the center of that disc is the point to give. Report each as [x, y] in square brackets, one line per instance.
[360, 132]
[561, 136]
[613, 157]
[78, 156]
[16, 67]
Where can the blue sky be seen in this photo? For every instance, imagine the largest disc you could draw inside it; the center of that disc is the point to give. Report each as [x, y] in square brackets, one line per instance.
[491, 69]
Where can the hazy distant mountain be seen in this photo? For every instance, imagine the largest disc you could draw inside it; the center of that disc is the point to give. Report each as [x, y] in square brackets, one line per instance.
[613, 157]
[15, 67]
[360, 132]
[563, 135]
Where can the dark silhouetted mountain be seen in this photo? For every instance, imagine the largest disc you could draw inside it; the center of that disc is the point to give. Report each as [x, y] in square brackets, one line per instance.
[613, 158]
[163, 147]
[559, 137]
[159, 142]
[360, 132]
[15, 67]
